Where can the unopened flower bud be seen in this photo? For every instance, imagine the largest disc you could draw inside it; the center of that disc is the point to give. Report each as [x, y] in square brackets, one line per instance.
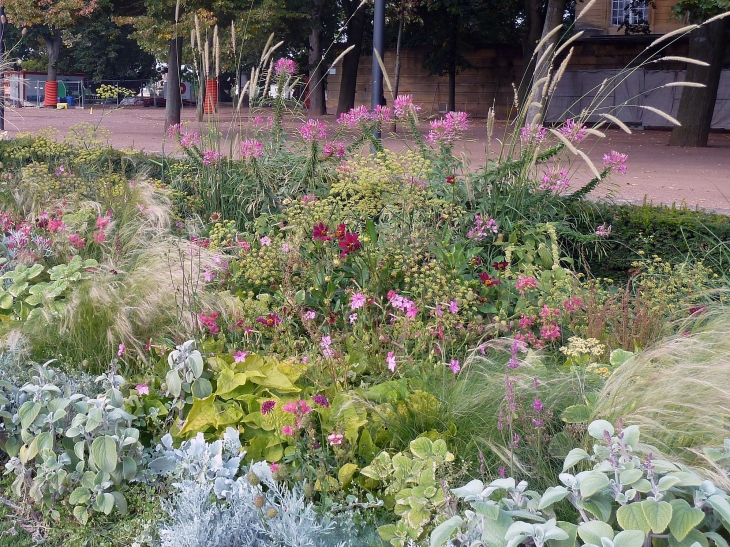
[308, 491]
[24, 32]
[271, 513]
[253, 479]
[259, 501]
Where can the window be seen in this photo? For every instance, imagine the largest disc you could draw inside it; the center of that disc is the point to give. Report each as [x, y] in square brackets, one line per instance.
[620, 9]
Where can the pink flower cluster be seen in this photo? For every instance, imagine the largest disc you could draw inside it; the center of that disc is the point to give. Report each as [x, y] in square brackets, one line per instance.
[327, 350]
[211, 157]
[482, 228]
[210, 322]
[189, 139]
[616, 161]
[524, 283]
[603, 230]
[403, 304]
[533, 134]
[554, 180]
[352, 119]
[448, 129]
[313, 130]
[251, 149]
[285, 67]
[403, 106]
[574, 131]
[336, 149]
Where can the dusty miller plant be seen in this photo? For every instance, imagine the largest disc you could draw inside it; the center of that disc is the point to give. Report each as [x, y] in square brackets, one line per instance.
[627, 499]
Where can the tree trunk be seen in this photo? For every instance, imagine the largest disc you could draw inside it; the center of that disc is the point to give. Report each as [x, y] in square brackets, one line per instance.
[697, 104]
[534, 23]
[317, 105]
[348, 82]
[53, 46]
[397, 64]
[173, 102]
[553, 18]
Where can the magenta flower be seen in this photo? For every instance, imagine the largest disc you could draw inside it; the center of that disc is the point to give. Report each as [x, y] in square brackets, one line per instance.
[309, 315]
[190, 139]
[313, 130]
[335, 439]
[574, 131]
[455, 366]
[603, 230]
[533, 135]
[403, 106]
[100, 236]
[287, 430]
[321, 400]
[482, 228]
[285, 67]
[122, 349]
[210, 322]
[550, 333]
[265, 241]
[353, 318]
[353, 118]
[448, 129]
[383, 114]
[211, 157]
[453, 306]
[537, 405]
[290, 407]
[349, 243]
[103, 222]
[77, 241]
[174, 130]
[524, 283]
[251, 149]
[143, 389]
[270, 320]
[616, 161]
[320, 232]
[240, 356]
[390, 360]
[267, 406]
[554, 180]
[336, 149]
[357, 301]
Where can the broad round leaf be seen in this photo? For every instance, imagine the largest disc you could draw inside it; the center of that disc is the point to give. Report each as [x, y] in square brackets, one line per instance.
[592, 482]
[596, 429]
[593, 531]
[104, 452]
[658, 514]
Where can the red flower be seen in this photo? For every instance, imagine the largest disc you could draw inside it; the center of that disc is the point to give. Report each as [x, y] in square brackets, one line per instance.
[488, 280]
[349, 243]
[451, 179]
[320, 232]
[270, 320]
[341, 232]
[500, 266]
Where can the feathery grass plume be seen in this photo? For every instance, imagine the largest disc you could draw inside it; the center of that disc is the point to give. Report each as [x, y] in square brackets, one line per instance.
[661, 113]
[564, 140]
[668, 35]
[197, 34]
[264, 52]
[541, 81]
[679, 59]
[677, 392]
[206, 58]
[516, 99]
[569, 41]
[252, 81]
[382, 69]
[717, 18]
[233, 37]
[547, 54]
[177, 11]
[243, 92]
[341, 55]
[271, 52]
[490, 123]
[614, 119]
[217, 49]
[683, 84]
[546, 38]
[588, 161]
[587, 7]
[192, 40]
[596, 132]
[268, 77]
[560, 73]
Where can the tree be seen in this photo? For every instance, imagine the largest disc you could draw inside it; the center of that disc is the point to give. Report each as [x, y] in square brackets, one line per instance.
[706, 43]
[356, 17]
[317, 105]
[52, 17]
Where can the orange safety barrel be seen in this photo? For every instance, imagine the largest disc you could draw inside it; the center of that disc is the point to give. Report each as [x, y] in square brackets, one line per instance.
[51, 91]
[210, 105]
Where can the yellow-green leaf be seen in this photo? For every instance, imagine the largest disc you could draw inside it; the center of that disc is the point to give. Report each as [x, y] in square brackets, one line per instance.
[346, 473]
[201, 416]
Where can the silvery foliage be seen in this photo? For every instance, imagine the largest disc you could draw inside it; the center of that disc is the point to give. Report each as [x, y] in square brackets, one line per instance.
[627, 498]
[219, 502]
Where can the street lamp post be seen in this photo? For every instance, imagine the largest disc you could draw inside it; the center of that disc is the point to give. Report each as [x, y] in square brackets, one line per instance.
[379, 46]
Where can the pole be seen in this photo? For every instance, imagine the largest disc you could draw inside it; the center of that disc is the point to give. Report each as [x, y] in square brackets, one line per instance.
[379, 46]
[2, 68]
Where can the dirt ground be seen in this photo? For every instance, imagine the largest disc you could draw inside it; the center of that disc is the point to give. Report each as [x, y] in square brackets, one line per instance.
[656, 172]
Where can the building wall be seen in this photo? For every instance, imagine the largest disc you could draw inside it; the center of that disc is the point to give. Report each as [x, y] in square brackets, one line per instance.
[597, 20]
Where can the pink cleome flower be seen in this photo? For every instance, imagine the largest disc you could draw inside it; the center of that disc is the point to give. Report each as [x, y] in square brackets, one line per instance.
[313, 130]
[251, 149]
[533, 135]
[574, 131]
[449, 128]
[285, 67]
[616, 161]
[356, 115]
[403, 106]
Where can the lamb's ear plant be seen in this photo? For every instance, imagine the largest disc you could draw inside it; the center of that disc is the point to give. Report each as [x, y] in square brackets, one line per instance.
[627, 498]
[65, 445]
